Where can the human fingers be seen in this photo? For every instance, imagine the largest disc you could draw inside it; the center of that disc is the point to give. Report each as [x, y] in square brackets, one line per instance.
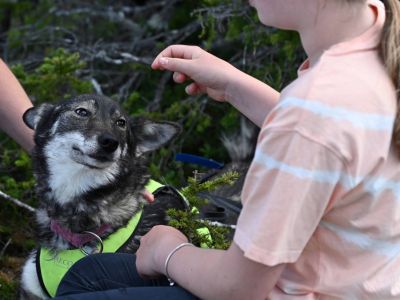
[194, 89]
[148, 196]
[179, 77]
[180, 65]
[176, 51]
[145, 262]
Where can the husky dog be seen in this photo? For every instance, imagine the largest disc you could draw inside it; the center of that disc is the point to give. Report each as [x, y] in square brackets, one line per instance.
[91, 170]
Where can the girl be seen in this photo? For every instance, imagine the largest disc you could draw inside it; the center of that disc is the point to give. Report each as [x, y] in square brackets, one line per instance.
[321, 210]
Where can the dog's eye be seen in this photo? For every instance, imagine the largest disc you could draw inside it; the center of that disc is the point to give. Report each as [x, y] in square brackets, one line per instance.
[82, 112]
[121, 123]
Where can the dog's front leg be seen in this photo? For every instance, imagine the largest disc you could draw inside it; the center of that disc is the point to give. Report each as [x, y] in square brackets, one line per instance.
[30, 285]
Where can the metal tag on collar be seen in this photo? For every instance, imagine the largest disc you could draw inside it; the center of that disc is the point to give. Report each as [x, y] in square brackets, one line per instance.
[90, 250]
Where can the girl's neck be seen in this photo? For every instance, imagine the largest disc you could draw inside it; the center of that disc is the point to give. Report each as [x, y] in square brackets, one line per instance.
[335, 23]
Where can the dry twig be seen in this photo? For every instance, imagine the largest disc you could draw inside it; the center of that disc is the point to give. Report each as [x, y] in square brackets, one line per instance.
[4, 248]
[17, 202]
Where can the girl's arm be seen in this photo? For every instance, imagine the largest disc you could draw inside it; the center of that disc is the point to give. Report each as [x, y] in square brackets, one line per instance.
[213, 274]
[207, 273]
[251, 97]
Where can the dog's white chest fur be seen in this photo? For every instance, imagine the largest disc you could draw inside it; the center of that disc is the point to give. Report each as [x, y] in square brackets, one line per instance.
[73, 172]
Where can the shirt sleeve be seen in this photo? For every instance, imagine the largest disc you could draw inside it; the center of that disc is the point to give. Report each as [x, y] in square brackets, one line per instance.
[290, 185]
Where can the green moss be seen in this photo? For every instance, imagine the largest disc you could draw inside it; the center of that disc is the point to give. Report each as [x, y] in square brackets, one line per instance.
[8, 290]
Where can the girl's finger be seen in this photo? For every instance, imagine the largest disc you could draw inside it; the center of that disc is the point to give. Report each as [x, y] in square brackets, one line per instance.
[177, 51]
[179, 77]
[194, 89]
[183, 52]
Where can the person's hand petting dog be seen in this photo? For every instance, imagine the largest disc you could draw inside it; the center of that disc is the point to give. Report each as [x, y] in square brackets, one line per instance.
[148, 196]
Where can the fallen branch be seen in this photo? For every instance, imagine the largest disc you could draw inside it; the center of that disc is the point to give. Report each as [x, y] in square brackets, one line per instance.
[4, 248]
[17, 202]
[96, 86]
[159, 93]
[218, 224]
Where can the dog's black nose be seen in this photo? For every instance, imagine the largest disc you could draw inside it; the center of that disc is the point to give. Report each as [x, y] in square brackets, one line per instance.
[107, 142]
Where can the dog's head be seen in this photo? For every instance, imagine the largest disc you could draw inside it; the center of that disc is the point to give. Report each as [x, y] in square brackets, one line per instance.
[89, 142]
[95, 130]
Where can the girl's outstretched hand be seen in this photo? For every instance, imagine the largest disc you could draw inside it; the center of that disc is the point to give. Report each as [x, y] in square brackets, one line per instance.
[210, 74]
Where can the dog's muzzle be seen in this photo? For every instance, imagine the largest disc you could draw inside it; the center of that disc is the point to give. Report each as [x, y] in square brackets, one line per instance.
[107, 146]
[97, 152]
[107, 143]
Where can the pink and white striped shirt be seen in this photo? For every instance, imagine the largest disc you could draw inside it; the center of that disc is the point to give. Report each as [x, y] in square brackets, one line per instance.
[323, 191]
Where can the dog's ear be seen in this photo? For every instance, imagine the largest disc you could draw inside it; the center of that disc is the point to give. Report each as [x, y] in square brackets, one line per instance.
[152, 135]
[34, 114]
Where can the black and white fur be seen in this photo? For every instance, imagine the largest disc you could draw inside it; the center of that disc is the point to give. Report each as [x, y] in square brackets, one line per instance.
[91, 168]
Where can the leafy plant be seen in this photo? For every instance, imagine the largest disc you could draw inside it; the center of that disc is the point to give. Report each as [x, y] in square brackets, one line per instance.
[202, 232]
[56, 78]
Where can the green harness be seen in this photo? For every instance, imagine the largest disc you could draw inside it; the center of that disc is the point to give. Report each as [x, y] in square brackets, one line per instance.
[51, 267]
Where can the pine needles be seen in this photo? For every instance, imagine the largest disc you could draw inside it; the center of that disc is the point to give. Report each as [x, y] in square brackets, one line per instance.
[202, 232]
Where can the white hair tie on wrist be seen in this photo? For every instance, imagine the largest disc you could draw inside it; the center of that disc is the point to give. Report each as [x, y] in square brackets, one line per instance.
[171, 282]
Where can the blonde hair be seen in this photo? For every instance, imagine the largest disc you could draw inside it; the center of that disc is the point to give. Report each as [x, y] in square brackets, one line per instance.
[390, 53]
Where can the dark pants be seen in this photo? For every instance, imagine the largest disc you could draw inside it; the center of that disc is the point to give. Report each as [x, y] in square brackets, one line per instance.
[114, 276]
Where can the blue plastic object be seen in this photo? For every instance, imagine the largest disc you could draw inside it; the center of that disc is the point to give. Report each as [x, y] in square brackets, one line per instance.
[198, 160]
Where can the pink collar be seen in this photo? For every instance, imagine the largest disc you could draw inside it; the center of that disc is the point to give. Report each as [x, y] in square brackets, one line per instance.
[76, 239]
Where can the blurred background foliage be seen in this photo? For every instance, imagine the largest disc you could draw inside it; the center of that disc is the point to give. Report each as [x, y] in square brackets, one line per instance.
[59, 48]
